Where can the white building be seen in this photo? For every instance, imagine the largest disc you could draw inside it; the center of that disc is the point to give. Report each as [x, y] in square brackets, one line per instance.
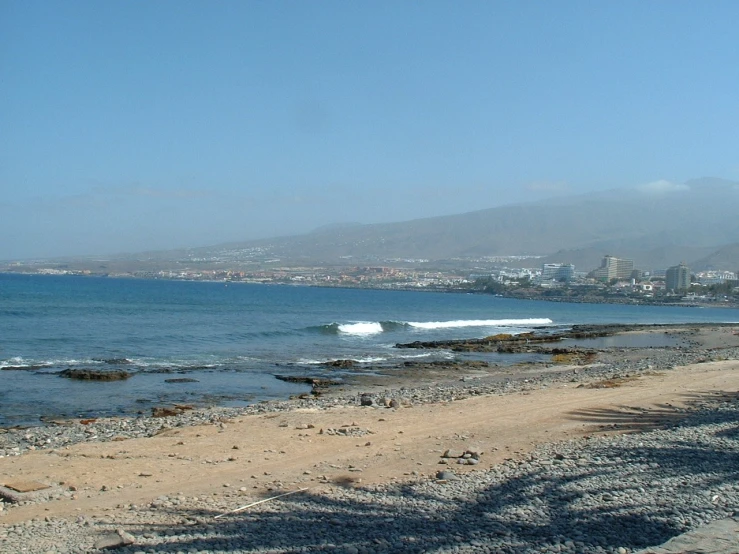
[557, 272]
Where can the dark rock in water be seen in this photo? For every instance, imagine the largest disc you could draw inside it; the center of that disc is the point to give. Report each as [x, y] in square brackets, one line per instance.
[181, 380]
[184, 369]
[113, 361]
[446, 364]
[49, 420]
[507, 343]
[313, 381]
[95, 374]
[341, 364]
[165, 411]
[318, 384]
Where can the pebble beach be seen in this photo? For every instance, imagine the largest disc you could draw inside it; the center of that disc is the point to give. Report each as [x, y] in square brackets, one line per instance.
[349, 471]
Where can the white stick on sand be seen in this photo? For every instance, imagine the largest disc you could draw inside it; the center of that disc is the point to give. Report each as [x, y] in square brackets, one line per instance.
[260, 502]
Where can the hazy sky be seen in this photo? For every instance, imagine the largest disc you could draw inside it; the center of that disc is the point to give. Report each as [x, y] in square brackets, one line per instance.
[127, 126]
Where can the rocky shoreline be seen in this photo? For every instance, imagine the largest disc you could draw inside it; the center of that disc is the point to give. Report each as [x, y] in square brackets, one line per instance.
[613, 494]
[458, 383]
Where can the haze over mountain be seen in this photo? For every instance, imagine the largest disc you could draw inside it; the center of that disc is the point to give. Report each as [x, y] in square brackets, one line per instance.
[132, 126]
[657, 225]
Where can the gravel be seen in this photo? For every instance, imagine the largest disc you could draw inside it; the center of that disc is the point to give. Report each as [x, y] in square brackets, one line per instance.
[612, 494]
[14, 442]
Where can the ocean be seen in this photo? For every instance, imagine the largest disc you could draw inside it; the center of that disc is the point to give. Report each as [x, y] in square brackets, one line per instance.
[231, 339]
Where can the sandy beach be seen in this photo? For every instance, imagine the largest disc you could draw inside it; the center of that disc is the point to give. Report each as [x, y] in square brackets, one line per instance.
[160, 491]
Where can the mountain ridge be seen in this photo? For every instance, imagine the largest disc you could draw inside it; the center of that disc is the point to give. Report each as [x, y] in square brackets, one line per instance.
[682, 221]
[657, 225]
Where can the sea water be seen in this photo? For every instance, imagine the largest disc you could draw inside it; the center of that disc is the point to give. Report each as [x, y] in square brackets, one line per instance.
[230, 339]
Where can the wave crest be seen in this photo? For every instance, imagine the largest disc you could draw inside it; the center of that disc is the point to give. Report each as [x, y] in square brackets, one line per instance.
[366, 328]
[479, 323]
[361, 328]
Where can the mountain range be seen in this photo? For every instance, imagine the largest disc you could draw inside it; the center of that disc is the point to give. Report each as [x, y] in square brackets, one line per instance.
[657, 225]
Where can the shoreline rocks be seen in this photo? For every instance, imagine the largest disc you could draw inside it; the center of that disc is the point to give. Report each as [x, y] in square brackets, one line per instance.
[612, 494]
[95, 374]
[614, 366]
[607, 494]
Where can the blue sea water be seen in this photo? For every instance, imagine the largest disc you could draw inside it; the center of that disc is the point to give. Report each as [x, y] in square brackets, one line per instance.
[232, 338]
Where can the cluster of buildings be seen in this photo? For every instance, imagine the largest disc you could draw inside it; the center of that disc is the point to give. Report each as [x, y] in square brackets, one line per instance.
[612, 269]
[526, 276]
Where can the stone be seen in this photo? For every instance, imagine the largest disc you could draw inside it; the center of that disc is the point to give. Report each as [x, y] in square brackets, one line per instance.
[163, 411]
[25, 486]
[450, 453]
[341, 364]
[118, 539]
[95, 374]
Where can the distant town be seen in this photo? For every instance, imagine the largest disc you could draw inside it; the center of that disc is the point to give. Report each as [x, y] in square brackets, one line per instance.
[616, 280]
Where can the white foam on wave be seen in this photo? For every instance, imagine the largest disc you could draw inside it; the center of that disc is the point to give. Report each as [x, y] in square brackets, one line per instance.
[479, 323]
[445, 354]
[19, 361]
[73, 361]
[370, 359]
[362, 360]
[361, 328]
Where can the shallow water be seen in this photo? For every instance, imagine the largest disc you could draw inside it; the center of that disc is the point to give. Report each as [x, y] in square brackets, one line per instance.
[232, 338]
[628, 340]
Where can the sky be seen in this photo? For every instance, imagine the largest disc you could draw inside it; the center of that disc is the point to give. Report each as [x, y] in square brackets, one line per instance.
[143, 125]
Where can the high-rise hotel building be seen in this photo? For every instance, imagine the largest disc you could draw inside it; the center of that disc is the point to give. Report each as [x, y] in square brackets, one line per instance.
[614, 268]
[677, 277]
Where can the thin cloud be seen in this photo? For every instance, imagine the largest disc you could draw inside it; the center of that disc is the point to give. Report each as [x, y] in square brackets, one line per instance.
[547, 187]
[149, 192]
[662, 187]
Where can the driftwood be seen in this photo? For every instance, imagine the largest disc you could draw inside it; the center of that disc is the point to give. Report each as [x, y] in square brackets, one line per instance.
[242, 508]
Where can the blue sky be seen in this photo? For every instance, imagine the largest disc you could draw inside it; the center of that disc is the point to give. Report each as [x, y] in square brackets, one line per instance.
[128, 126]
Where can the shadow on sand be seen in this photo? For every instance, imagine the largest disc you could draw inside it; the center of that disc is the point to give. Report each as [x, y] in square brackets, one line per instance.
[531, 507]
[630, 419]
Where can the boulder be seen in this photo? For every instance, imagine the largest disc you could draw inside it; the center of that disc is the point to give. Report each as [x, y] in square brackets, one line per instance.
[110, 541]
[166, 411]
[95, 374]
[340, 364]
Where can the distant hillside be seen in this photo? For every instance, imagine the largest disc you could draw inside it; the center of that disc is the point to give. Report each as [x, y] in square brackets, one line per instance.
[655, 258]
[657, 226]
[723, 258]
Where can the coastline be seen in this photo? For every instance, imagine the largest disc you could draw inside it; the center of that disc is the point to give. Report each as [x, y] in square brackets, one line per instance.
[629, 301]
[362, 443]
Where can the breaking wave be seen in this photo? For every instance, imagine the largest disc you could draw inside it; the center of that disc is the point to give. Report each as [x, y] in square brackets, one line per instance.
[480, 323]
[367, 328]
